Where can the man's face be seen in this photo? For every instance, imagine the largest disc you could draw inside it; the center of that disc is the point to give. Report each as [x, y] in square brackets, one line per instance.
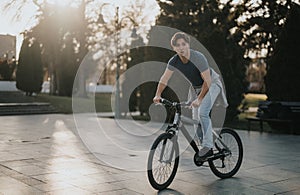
[182, 48]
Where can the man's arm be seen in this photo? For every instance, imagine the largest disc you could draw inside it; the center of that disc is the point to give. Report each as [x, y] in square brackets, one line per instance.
[162, 84]
[205, 87]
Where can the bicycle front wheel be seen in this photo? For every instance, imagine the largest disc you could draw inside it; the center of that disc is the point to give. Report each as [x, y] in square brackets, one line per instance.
[163, 161]
[229, 147]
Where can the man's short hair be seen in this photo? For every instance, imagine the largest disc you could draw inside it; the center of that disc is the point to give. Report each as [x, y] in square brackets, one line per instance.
[179, 35]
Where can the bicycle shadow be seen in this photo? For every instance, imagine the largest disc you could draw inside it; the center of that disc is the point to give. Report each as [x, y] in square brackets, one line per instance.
[169, 191]
[214, 187]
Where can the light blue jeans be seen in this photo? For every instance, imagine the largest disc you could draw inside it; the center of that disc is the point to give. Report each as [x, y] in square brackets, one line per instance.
[202, 114]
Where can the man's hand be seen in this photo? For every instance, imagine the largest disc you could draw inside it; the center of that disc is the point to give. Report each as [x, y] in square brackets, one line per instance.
[196, 103]
[156, 99]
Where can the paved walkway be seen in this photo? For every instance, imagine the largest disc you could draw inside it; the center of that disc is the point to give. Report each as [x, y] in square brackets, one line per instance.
[44, 154]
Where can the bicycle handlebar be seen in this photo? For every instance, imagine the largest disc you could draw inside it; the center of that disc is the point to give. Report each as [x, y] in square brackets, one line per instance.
[165, 102]
[173, 104]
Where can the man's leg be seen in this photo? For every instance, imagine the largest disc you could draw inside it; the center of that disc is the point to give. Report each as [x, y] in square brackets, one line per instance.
[204, 110]
[195, 117]
[191, 97]
[197, 127]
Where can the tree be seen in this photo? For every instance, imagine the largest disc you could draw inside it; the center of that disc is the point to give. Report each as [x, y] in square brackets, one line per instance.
[54, 24]
[29, 74]
[283, 78]
[62, 33]
[270, 32]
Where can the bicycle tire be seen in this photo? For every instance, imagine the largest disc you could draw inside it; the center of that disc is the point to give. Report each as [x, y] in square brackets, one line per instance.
[171, 149]
[229, 137]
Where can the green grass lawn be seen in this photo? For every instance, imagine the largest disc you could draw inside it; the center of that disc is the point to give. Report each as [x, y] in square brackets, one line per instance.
[249, 104]
[101, 103]
[251, 100]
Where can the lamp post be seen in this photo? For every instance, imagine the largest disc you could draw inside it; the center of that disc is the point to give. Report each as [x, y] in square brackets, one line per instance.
[117, 26]
[117, 95]
[118, 23]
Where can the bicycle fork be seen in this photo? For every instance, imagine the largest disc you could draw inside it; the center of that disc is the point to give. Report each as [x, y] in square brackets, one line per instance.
[163, 154]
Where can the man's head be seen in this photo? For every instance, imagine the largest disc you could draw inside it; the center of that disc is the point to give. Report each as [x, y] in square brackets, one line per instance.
[181, 44]
[179, 35]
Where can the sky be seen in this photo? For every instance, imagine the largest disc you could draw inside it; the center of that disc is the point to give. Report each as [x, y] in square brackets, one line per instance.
[9, 26]
[15, 27]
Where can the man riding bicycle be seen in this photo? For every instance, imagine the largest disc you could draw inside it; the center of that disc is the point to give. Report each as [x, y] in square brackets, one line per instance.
[206, 86]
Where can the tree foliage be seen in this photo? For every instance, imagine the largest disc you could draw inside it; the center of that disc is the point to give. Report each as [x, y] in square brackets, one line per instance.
[283, 73]
[261, 23]
[29, 74]
[270, 29]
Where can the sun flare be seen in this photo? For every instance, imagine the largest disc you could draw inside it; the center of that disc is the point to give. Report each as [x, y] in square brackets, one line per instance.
[60, 2]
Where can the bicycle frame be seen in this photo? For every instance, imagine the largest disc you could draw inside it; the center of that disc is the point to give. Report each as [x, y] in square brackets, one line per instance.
[178, 123]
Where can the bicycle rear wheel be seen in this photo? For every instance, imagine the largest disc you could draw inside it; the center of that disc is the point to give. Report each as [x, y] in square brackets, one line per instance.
[230, 148]
[163, 161]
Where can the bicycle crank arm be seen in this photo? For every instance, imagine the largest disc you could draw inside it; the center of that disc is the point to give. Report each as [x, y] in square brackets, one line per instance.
[216, 156]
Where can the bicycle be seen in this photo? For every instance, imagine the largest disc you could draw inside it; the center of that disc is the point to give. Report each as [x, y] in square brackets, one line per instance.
[163, 159]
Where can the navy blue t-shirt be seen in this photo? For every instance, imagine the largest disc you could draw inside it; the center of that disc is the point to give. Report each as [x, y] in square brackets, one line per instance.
[192, 69]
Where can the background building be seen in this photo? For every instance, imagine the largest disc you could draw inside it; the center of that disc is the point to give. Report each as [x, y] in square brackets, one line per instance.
[7, 47]
[7, 57]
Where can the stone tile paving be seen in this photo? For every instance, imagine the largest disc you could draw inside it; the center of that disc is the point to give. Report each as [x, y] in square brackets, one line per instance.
[43, 154]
